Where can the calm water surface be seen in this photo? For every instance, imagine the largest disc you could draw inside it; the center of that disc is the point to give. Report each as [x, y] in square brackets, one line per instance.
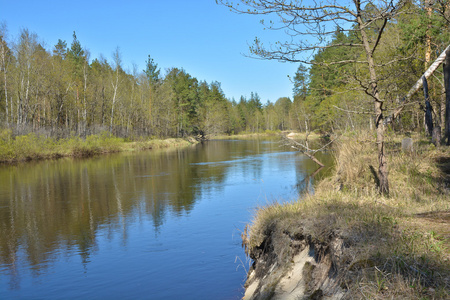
[152, 225]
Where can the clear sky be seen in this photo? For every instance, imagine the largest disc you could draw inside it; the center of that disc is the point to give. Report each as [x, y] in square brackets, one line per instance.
[205, 39]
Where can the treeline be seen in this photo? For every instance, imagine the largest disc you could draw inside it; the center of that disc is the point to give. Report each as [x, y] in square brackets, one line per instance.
[62, 92]
[331, 95]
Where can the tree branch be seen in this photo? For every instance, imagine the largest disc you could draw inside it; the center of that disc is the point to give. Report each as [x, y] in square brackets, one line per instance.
[305, 149]
[354, 111]
[419, 84]
[379, 35]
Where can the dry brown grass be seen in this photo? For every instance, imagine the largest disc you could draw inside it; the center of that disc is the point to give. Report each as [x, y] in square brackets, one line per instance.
[14, 149]
[159, 144]
[397, 246]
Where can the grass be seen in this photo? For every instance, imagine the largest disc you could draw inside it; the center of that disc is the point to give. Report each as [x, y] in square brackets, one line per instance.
[247, 135]
[33, 147]
[395, 247]
[158, 144]
[268, 133]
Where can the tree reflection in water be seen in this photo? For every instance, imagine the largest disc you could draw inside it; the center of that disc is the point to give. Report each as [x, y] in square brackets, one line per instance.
[51, 209]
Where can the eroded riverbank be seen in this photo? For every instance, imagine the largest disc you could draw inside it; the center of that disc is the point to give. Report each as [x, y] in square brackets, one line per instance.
[346, 241]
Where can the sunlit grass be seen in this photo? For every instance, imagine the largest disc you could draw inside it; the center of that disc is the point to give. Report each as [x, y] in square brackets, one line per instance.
[268, 133]
[34, 147]
[246, 135]
[158, 144]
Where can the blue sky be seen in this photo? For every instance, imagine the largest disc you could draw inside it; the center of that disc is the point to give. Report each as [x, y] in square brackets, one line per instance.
[204, 38]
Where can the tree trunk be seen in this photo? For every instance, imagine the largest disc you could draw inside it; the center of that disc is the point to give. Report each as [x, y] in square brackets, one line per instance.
[6, 98]
[428, 108]
[378, 105]
[84, 125]
[112, 107]
[442, 110]
[382, 160]
[3, 54]
[447, 97]
[429, 10]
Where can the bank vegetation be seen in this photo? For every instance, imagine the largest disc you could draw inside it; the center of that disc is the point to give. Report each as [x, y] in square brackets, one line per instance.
[28, 147]
[360, 245]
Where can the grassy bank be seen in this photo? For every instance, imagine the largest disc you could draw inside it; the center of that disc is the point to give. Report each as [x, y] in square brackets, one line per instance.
[394, 247]
[34, 147]
[246, 135]
[268, 133]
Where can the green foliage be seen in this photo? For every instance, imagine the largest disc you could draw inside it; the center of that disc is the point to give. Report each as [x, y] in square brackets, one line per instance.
[301, 82]
[185, 101]
[61, 91]
[76, 56]
[93, 144]
[419, 24]
[152, 70]
[25, 147]
[60, 49]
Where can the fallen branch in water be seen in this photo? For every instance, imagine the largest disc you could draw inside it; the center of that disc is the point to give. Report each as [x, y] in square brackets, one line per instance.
[305, 148]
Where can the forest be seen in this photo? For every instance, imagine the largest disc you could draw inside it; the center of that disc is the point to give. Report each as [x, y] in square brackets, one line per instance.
[62, 91]
[333, 94]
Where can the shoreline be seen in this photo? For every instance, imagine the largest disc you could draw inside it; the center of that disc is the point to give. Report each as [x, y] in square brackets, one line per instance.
[32, 147]
[346, 241]
[291, 133]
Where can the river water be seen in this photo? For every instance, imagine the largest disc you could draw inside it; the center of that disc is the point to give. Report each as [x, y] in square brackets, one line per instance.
[149, 225]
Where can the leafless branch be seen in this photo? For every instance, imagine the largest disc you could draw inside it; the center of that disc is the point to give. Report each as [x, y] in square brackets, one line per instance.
[393, 61]
[354, 111]
[305, 149]
[380, 33]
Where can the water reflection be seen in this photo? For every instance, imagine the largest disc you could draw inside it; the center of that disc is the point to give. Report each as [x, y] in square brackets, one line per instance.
[53, 209]
[308, 172]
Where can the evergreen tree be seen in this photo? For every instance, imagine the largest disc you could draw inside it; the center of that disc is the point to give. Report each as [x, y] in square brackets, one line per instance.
[152, 70]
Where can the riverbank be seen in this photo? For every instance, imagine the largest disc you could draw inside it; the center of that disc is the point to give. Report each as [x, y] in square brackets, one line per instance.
[346, 241]
[34, 147]
[245, 135]
[269, 133]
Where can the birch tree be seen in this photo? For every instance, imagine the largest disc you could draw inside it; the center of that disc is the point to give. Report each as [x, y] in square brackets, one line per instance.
[115, 83]
[5, 58]
[25, 50]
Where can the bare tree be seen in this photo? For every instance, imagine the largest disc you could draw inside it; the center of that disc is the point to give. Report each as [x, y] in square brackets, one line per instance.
[85, 83]
[115, 82]
[310, 27]
[25, 52]
[4, 62]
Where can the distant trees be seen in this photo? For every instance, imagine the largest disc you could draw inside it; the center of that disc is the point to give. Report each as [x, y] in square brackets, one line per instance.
[62, 92]
[362, 61]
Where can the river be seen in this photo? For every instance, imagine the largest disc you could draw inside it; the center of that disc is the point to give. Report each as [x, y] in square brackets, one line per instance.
[149, 225]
